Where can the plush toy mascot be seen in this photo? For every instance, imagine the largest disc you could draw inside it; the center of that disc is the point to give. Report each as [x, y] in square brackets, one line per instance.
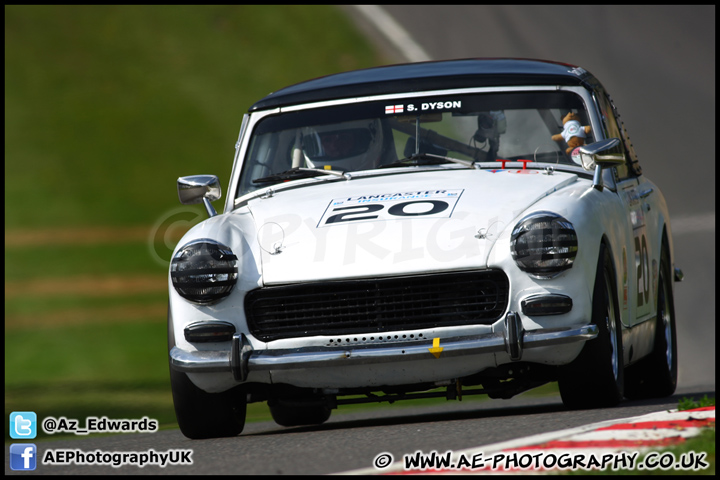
[573, 133]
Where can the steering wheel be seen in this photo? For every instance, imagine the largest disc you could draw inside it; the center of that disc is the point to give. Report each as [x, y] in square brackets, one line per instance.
[557, 152]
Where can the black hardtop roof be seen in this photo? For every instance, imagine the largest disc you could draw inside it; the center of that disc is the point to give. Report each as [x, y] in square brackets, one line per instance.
[415, 77]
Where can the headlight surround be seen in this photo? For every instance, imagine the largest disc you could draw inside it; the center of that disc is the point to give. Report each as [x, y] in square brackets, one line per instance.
[204, 271]
[544, 244]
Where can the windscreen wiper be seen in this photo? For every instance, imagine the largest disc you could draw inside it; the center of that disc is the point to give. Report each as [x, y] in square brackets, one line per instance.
[426, 159]
[298, 173]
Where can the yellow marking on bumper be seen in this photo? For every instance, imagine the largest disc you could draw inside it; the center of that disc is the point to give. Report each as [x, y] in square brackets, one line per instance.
[436, 348]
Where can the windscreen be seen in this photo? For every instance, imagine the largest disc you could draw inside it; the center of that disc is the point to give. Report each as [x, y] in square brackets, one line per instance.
[541, 126]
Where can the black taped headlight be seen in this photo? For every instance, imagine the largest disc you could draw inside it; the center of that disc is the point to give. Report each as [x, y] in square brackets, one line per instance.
[204, 271]
[543, 244]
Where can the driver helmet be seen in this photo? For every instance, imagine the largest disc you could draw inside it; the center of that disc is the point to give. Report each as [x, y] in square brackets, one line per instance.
[490, 125]
[346, 146]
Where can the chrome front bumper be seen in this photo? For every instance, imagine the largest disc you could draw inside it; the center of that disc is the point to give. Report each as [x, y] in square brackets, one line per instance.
[242, 358]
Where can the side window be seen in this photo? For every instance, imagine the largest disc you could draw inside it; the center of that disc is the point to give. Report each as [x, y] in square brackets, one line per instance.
[615, 128]
[634, 164]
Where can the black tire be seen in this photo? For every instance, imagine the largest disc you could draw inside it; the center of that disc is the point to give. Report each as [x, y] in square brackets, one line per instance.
[201, 414]
[296, 415]
[207, 415]
[595, 379]
[656, 375]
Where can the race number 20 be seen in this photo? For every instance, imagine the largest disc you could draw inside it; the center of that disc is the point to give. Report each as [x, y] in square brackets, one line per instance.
[430, 203]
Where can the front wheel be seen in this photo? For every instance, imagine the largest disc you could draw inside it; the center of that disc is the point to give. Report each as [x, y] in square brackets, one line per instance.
[201, 414]
[596, 377]
[207, 415]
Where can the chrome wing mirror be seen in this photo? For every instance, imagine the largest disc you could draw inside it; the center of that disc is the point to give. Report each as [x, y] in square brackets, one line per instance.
[595, 156]
[199, 188]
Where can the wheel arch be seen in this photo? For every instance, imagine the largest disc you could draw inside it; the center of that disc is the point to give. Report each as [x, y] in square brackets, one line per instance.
[665, 249]
[616, 280]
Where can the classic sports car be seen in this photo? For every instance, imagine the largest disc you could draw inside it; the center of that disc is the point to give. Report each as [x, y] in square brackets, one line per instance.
[431, 229]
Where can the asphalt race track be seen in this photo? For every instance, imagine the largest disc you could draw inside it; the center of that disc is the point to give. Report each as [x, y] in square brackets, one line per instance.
[658, 62]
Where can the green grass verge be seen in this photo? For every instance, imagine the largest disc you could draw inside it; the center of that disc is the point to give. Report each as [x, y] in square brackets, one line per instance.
[70, 261]
[114, 370]
[691, 403]
[106, 105]
[51, 357]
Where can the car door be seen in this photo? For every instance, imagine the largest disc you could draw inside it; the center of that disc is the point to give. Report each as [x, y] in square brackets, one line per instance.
[634, 193]
[635, 290]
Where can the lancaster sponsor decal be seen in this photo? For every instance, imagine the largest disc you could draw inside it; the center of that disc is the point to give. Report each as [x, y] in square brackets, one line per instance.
[387, 206]
[423, 107]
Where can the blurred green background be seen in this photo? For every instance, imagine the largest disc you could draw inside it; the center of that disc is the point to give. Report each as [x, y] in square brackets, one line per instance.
[105, 106]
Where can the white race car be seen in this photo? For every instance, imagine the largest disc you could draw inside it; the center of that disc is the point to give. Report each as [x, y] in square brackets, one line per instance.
[431, 229]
